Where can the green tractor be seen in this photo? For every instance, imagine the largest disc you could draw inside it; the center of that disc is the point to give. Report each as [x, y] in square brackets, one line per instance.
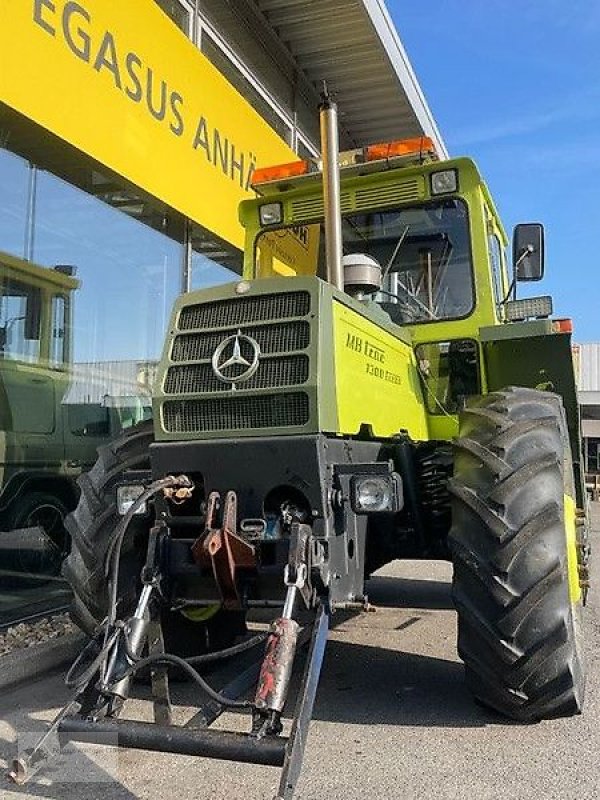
[369, 390]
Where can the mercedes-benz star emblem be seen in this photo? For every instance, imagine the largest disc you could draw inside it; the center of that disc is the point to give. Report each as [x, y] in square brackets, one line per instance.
[236, 358]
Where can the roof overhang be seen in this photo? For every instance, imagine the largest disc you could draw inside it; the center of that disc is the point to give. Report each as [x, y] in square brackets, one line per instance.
[353, 45]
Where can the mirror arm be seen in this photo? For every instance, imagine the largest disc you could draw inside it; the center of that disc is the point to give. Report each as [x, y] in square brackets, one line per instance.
[513, 286]
[527, 251]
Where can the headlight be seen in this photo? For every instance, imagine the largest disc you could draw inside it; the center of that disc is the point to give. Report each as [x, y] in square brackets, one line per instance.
[444, 182]
[537, 307]
[375, 493]
[270, 213]
[126, 497]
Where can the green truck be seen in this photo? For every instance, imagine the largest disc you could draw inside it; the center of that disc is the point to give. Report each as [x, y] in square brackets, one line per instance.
[46, 440]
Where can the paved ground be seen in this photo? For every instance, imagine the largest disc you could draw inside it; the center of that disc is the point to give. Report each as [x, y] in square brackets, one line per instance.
[393, 720]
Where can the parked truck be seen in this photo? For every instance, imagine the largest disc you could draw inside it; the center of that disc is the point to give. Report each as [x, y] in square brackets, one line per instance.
[46, 438]
[370, 389]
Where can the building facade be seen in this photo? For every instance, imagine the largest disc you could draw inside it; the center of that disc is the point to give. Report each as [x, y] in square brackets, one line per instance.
[587, 361]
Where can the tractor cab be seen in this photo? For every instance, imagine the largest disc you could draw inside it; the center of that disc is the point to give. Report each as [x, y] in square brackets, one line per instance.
[431, 227]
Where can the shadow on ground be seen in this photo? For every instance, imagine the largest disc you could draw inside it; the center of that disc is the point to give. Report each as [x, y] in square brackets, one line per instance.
[409, 593]
[360, 685]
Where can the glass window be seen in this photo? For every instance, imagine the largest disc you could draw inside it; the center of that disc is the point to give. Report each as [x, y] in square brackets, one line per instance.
[175, 11]
[593, 456]
[304, 152]
[495, 253]
[424, 252]
[13, 202]
[20, 320]
[226, 67]
[207, 272]
[79, 357]
[58, 340]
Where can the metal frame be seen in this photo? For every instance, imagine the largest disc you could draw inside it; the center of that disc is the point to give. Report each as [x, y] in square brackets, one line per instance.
[196, 738]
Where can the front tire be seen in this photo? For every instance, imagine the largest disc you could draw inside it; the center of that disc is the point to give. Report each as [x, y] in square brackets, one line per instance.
[515, 583]
[91, 526]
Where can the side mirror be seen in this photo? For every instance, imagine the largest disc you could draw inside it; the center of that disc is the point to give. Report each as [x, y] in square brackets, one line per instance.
[528, 251]
[33, 314]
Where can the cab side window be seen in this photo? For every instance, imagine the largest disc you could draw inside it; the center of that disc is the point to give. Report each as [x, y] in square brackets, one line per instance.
[20, 321]
[58, 353]
[495, 253]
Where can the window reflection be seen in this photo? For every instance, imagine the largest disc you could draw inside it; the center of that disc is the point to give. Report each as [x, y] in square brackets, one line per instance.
[81, 330]
[13, 202]
[207, 272]
[82, 324]
[20, 332]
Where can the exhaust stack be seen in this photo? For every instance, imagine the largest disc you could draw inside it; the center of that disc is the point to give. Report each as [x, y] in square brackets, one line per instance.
[331, 190]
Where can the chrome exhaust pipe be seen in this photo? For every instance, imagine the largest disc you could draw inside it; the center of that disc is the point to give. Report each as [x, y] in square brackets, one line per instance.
[331, 190]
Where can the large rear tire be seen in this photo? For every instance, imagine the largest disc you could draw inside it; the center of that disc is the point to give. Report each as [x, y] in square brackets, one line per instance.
[91, 526]
[93, 522]
[516, 586]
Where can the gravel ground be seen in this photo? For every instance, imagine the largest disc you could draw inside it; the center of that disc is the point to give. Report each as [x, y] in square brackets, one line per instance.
[27, 634]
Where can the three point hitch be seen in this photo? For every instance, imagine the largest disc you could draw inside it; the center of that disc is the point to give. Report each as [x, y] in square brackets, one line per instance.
[103, 685]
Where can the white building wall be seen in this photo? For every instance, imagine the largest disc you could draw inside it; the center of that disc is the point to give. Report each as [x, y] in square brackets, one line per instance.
[588, 359]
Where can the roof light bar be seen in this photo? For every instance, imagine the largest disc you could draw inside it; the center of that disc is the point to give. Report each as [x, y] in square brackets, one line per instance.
[418, 149]
[420, 146]
[280, 172]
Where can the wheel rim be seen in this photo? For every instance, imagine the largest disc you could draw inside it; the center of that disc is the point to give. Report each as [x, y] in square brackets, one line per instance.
[49, 518]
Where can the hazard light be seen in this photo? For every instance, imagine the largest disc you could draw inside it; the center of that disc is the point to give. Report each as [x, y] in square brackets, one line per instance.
[562, 325]
[420, 147]
[280, 172]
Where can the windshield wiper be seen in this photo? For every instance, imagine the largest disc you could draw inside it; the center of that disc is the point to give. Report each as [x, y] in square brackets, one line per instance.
[401, 238]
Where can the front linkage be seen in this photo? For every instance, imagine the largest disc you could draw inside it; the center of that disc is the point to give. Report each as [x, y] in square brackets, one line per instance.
[103, 686]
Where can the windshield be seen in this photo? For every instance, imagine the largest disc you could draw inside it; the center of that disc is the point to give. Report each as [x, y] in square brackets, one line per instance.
[423, 251]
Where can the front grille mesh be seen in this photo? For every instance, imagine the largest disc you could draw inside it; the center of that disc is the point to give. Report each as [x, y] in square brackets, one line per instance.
[197, 400]
[196, 378]
[241, 310]
[270, 338]
[235, 413]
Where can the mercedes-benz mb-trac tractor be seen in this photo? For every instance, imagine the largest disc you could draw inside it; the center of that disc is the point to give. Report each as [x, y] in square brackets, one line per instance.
[370, 389]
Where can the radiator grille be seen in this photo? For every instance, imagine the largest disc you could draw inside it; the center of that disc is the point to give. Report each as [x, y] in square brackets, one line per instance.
[200, 378]
[270, 338]
[313, 207]
[241, 310]
[235, 413]
[196, 399]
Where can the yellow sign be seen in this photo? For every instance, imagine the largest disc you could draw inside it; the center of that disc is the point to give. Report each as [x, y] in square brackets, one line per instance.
[122, 84]
[375, 378]
[289, 251]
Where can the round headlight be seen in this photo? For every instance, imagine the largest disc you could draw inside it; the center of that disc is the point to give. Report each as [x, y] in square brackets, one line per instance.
[373, 493]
